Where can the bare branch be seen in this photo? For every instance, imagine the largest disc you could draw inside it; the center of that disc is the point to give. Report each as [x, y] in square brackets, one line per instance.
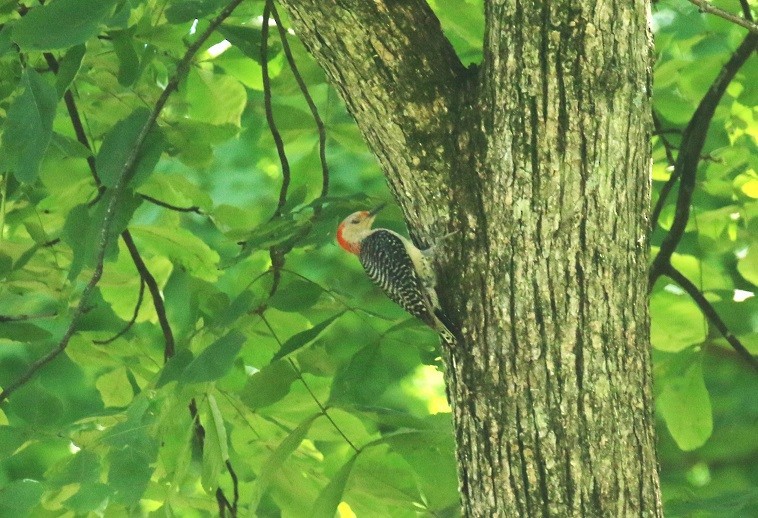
[746, 10]
[132, 320]
[155, 293]
[308, 99]
[707, 7]
[688, 158]
[22, 318]
[235, 487]
[165, 205]
[270, 112]
[110, 211]
[710, 313]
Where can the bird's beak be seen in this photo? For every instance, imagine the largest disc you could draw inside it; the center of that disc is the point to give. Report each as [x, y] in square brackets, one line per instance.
[376, 210]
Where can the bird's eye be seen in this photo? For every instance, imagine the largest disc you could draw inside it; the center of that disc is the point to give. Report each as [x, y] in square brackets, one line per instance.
[355, 221]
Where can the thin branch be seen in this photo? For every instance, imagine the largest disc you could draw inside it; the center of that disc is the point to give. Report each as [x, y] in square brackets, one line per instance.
[199, 430]
[666, 189]
[277, 263]
[710, 313]
[222, 502]
[155, 293]
[110, 211]
[76, 121]
[688, 158]
[660, 133]
[270, 112]
[22, 318]
[707, 7]
[308, 99]
[746, 10]
[235, 487]
[299, 375]
[131, 320]
[165, 205]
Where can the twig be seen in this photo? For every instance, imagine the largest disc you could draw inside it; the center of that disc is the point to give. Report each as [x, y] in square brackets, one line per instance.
[22, 318]
[235, 487]
[155, 293]
[308, 99]
[299, 375]
[222, 502]
[199, 430]
[108, 218]
[666, 189]
[707, 7]
[746, 10]
[270, 112]
[688, 158]
[163, 204]
[131, 320]
[660, 133]
[76, 120]
[710, 313]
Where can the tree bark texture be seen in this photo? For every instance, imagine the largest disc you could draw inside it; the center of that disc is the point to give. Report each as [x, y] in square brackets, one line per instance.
[539, 158]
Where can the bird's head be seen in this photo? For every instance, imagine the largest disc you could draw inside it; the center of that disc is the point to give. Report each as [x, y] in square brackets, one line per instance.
[355, 228]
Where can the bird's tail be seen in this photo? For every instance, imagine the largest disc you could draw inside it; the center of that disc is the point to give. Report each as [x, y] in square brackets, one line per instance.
[449, 332]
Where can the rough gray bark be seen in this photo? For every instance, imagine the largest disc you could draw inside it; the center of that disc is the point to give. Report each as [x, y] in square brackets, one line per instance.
[540, 159]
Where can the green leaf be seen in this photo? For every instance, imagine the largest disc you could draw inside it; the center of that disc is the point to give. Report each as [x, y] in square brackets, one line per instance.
[114, 388]
[19, 496]
[675, 320]
[748, 265]
[238, 307]
[71, 148]
[430, 454]
[129, 474]
[182, 247]
[184, 11]
[6, 44]
[82, 468]
[82, 230]
[216, 360]
[61, 24]
[268, 385]
[89, 498]
[296, 296]
[229, 98]
[248, 40]
[220, 427]
[22, 332]
[128, 61]
[193, 141]
[28, 127]
[331, 495]
[118, 145]
[176, 190]
[174, 367]
[68, 67]
[298, 340]
[685, 406]
[37, 406]
[215, 446]
[274, 461]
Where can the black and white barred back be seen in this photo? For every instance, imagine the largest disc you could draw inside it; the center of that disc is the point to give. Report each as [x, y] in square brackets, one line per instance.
[387, 263]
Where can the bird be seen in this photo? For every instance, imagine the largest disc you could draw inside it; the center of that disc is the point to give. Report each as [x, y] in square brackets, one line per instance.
[403, 271]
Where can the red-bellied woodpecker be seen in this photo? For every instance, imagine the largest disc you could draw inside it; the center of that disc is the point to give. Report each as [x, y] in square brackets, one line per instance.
[396, 265]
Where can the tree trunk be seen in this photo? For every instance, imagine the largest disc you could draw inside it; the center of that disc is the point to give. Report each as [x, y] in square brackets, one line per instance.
[540, 159]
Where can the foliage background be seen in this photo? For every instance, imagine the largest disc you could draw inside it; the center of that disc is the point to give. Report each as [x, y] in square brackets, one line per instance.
[311, 388]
